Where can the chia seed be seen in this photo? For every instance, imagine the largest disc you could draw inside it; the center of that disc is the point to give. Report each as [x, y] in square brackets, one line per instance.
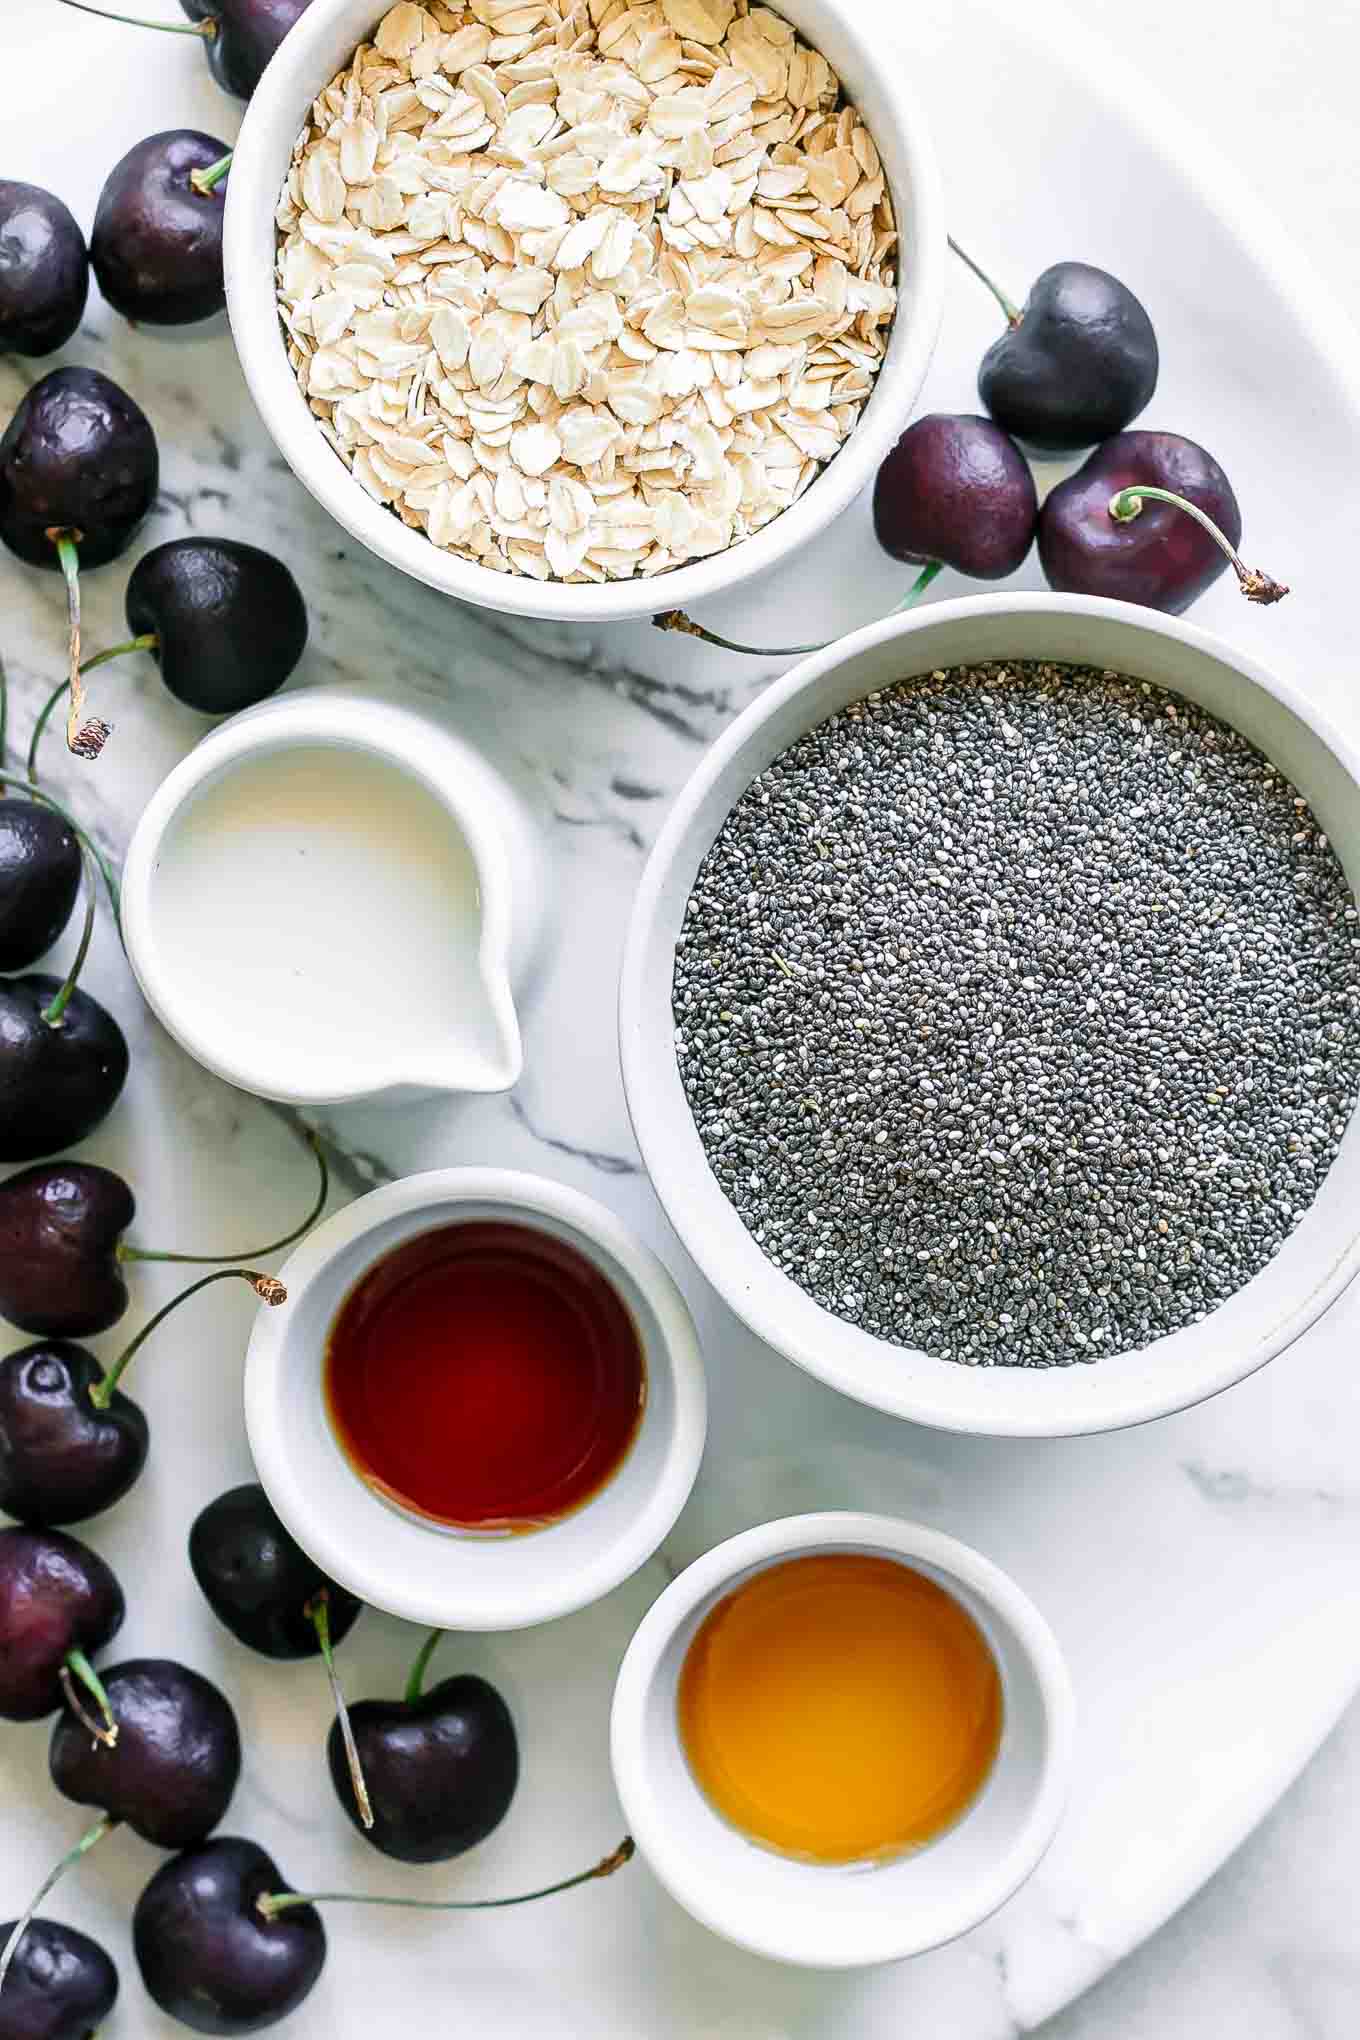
[1018, 1009]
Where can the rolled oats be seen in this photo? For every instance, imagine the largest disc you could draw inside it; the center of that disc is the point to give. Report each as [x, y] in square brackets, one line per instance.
[584, 291]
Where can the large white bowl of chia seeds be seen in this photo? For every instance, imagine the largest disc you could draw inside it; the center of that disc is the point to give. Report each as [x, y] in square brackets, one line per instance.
[993, 1041]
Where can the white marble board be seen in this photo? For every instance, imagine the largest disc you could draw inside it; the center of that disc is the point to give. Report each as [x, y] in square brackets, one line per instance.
[1202, 1573]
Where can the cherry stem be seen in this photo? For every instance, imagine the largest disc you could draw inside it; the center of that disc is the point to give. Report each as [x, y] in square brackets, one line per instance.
[1126, 504]
[129, 1253]
[318, 1613]
[86, 739]
[53, 1014]
[415, 1685]
[205, 181]
[676, 619]
[78, 1666]
[919, 586]
[149, 643]
[200, 28]
[81, 836]
[1013, 313]
[275, 1902]
[4, 717]
[99, 1730]
[103, 1826]
[267, 1287]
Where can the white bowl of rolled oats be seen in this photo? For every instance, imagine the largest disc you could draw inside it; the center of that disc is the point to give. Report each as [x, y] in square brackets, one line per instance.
[576, 308]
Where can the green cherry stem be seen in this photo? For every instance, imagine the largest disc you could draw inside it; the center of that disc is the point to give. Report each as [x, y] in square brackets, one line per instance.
[206, 28]
[53, 1014]
[103, 1826]
[87, 843]
[676, 619]
[86, 739]
[105, 1732]
[918, 586]
[1014, 315]
[44, 717]
[1126, 504]
[206, 181]
[272, 1903]
[267, 1287]
[318, 1613]
[149, 643]
[78, 1666]
[129, 1253]
[415, 1685]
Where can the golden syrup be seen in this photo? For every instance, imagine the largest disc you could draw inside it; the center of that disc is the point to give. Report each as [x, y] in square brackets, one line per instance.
[840, 1708]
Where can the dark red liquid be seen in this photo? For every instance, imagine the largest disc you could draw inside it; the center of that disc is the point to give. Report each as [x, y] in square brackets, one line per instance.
[486, 1375]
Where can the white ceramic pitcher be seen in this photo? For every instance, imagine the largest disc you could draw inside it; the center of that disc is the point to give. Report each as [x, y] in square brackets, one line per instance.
[333, 898]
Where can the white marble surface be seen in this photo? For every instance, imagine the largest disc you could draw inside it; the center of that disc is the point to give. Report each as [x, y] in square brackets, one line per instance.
[1202, 1574]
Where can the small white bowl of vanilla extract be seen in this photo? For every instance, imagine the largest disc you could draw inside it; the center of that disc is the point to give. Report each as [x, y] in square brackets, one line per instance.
[483, 1404]
[842, 1739]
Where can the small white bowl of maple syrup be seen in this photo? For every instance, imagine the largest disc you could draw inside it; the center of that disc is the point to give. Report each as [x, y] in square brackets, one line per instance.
[483, 1404]
[842, 1739]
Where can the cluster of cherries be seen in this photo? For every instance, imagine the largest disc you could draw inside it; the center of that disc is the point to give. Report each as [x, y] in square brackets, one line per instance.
[79, 472]
[196, 604]
[222, 1942]
[79, 464]
[1149, 517]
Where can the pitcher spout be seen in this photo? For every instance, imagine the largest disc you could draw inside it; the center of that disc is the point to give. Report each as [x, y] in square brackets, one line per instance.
[485, 1052]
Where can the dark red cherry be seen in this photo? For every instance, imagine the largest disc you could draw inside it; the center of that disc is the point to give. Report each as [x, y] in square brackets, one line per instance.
[259, 1581]
[39, 880]
[229, 620]
[62, 1251]
[440, 1767]
[78, 455]
[240, 36]
[62, 1458]
[44, 270]
[954, 492]
[171, 1773]
[956, 489]
[1160, 558]
[61, 1985]
[156, 244]
[247, 33]
[78, 473]
[59, 1601]
[70, 1441]
[208, 1955]
[59, 1079]
[1077, 364]
[211, 1932]
[61, 1224]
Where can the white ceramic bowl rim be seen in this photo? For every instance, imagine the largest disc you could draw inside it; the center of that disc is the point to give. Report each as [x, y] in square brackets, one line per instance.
[450, 770]
[1085, 1398]
[684, 1871]
[555, 1588]
[320, 42]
